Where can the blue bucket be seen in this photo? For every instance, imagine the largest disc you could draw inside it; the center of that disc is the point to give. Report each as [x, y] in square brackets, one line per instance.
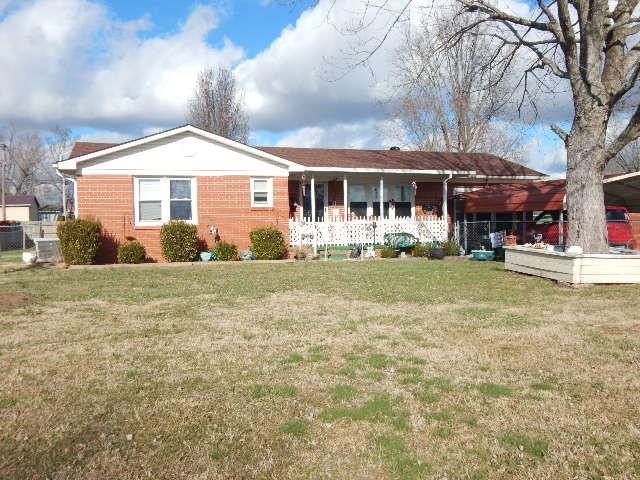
[482, 254]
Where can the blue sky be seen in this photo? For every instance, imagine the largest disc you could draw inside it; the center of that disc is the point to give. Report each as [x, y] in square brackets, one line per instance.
[254, 23]
[116, 69]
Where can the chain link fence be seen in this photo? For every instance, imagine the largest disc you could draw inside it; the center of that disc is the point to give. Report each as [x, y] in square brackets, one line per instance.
[17, 238]
[476, 235]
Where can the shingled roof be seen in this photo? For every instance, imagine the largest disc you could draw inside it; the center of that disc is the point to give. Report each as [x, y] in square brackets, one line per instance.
[19, 200]
[84, 148]
[481, 163]
[543, 195]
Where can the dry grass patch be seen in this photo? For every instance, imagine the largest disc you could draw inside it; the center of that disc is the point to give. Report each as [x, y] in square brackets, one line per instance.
[396, 370]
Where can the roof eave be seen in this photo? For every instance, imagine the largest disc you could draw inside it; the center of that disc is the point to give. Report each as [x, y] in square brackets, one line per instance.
[623, 176]
[71, 164]
[385, 171]
[512, 177]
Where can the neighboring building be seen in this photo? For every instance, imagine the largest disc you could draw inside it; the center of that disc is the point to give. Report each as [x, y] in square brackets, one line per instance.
[313, 195]
[22, 208]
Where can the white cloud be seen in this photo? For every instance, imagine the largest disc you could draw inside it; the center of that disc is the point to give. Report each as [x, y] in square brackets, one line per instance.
[87, 68]
[364, 135]
[298, 80]
[547, 157]
[106, 136]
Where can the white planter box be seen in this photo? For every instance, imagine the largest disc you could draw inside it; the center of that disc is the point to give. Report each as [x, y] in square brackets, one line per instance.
[575, 269]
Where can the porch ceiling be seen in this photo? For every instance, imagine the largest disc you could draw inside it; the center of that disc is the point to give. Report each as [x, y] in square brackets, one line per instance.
[369, 177]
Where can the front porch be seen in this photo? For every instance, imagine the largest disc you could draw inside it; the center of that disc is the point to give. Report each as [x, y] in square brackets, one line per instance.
[336, 209]
[364, 231]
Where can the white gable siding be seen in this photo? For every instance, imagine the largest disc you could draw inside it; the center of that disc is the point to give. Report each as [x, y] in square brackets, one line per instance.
[182, 155]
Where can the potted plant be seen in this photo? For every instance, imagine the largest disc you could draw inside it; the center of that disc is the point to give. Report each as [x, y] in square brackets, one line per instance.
[436, 251]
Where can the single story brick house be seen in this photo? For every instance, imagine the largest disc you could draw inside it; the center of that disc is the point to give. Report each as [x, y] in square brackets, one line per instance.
[314, 195]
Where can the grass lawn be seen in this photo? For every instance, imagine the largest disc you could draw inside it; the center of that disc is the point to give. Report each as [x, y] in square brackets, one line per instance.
[11, 256]
[359, 370]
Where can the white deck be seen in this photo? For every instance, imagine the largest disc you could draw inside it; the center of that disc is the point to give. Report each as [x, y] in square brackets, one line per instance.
[364, 231]
[575, 269]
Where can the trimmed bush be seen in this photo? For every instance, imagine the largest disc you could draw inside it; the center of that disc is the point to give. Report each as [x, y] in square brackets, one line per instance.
[267, 243]
[179, 241]
[388, 252]
[421, 250]
[79, 240]
[131, 252]
[225, 251]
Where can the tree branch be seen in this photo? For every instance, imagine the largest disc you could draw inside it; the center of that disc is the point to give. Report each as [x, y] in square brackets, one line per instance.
[564, 136]
[629, 134]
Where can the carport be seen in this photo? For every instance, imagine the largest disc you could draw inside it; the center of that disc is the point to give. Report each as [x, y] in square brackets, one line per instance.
[623, 190]
[509, 208]
[523, 197]
[521, 200]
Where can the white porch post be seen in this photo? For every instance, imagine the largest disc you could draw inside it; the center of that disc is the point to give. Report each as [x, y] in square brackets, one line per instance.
[345, 195]
[64, 197]
[445, 195]
[381, 198]
[313, 214]
[301, 199]
[313, 198]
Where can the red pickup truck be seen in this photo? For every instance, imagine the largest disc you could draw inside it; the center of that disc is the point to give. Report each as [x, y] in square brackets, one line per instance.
[618, 227]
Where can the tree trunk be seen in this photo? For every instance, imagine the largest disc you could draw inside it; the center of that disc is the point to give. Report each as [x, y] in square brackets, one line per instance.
[585, 196]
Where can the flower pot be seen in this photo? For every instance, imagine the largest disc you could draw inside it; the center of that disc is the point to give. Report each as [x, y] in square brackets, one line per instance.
[205, 256]
[436, 253]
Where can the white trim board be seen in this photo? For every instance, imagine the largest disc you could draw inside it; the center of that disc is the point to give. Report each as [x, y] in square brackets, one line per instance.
[183, 154]
[72, 163]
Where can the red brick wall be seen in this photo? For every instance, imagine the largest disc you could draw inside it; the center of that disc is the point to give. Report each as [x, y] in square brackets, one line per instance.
[226, 202]
[429, 193]
[223, 201]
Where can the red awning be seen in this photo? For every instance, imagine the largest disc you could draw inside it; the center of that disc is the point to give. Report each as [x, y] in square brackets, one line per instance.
[526, 197]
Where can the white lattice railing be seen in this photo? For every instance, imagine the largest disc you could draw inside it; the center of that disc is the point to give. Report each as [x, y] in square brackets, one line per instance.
[355, 232]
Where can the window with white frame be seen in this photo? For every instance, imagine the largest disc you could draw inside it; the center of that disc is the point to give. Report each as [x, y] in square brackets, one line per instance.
[261, 192]
[402, 200]
[159, 200]
[149, 200]
[180, 199]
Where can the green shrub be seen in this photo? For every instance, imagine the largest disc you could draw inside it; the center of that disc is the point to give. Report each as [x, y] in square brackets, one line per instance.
[225, 251]
[79, 240]
[267, 243]
[388, 252]
[131, 252]
[421, 250]
[179, 241]
[451, 248]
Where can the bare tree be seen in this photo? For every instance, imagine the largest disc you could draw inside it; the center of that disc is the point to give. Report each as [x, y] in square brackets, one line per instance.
[217, 105]
[449, 100]
[628, 159]
[26, 160]
[30, 155]
[589, 46]
[592, 45]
